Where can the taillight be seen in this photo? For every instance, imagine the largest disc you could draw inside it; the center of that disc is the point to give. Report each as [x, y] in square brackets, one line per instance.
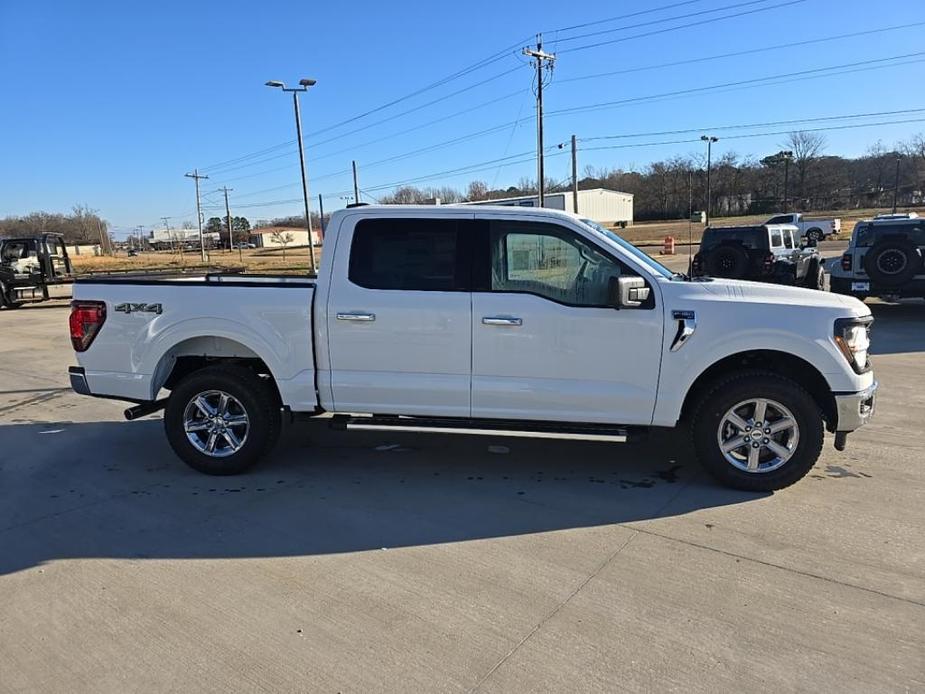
[768, 263]
[87, 317]
[846, 262]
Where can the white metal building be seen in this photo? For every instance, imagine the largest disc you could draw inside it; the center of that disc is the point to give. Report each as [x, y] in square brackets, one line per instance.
[599, 204]
[277, 237]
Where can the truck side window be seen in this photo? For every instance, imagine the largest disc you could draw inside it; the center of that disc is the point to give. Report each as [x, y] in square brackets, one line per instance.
[408, 254]
[780, 219]
[549, 261]
[776, 240]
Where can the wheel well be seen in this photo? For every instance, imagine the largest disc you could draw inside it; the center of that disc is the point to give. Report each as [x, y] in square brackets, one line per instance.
[198, 353]
[781, 363]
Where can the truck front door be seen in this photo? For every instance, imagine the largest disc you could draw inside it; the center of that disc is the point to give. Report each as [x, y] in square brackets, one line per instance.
[399, 318]
[547, 342]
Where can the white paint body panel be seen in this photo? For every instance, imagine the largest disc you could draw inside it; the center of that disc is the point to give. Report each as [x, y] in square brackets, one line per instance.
[427, 353]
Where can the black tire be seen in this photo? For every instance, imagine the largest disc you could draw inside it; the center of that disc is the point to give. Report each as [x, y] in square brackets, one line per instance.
[256, 398]
[893, 262]
[727, 260]
[815, 277]
[723, 395]
[815, 235]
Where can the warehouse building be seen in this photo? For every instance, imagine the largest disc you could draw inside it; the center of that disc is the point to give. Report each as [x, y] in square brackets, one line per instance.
[278, 237]
[599, 204]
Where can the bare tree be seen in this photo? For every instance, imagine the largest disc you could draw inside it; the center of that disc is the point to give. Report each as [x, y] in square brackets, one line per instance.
[806, 147]
[477, 190]
[282, 238]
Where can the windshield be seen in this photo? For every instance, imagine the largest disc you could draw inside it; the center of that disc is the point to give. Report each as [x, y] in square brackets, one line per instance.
[643, 257]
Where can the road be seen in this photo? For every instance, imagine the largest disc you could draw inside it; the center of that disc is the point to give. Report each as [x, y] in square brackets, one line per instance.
[364, 563]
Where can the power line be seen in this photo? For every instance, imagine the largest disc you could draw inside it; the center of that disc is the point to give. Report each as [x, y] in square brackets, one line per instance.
[700, 13]
[753, 135]
[456, 75]
[693, 90]
[753, 125]
[750, 51]
[681, 26]
[624, 16]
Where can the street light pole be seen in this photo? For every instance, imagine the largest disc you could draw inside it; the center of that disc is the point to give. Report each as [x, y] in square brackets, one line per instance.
[304, 84]
[709, 139]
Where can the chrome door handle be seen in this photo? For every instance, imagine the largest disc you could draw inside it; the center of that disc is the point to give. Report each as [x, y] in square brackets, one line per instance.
[357, 316]
[501, 320]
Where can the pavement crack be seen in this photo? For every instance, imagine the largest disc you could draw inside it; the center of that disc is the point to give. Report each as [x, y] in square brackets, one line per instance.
[539, 625]
[762, 562]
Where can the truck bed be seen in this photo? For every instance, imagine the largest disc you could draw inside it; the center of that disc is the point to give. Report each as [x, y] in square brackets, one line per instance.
[154, 321]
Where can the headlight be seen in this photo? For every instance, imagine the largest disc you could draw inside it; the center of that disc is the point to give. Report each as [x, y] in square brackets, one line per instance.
[852, 335]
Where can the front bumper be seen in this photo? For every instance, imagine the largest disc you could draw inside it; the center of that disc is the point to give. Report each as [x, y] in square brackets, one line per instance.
[855, 409]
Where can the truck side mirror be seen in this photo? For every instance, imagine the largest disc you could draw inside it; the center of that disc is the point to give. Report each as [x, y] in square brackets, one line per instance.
[627, 292]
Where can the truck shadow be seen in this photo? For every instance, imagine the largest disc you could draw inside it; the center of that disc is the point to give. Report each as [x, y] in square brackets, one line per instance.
[115, 490]
[898, 328]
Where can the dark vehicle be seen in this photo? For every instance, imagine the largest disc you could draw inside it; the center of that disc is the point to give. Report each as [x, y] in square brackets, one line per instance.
[884, 259]
[762, 253]
[29, 265]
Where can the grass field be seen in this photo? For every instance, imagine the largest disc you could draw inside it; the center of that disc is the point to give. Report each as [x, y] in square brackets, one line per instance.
[295, 259]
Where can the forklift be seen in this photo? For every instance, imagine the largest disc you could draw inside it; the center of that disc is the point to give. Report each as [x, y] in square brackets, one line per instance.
[29, 265]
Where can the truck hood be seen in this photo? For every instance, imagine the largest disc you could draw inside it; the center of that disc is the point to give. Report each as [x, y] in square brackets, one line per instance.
[762, 293]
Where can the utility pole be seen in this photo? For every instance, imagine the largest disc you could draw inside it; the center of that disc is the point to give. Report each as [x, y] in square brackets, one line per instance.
[574, 175]
[321, 212]
[196, 176]
[709, 139]
[896, 184]
[225, 190]
[356, 185]
[542, 59]
[690, 222]
[99, 225]
[788, 156]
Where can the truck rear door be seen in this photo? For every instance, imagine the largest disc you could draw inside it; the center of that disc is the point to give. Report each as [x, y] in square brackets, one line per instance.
[399, 317]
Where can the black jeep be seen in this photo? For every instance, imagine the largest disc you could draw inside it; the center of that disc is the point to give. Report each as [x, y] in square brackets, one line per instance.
[762, 253]
[29, 265]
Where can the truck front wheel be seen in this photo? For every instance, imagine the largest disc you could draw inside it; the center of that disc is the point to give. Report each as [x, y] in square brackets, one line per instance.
[757, 431]
[222, 419]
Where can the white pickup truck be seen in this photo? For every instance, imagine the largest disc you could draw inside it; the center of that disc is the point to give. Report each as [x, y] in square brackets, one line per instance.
[495, 321]
[813, 229]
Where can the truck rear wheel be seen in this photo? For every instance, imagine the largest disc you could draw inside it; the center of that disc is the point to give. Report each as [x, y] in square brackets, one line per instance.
[222, 419]
[757, 431]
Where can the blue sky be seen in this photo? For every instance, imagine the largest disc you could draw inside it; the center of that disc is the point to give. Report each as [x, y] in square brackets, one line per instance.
[110, 103]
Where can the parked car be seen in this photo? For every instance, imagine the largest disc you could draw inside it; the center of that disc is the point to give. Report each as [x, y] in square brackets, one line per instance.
[764, 253]
[814, 230]
[493, 321]
[29, 265]
[883, 259]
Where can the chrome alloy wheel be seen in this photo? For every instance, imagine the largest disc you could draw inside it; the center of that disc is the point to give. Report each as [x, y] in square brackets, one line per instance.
[216, 423]
[758, 435]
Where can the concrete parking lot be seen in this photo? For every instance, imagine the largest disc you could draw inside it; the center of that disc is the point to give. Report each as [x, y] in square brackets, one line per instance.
[359, 563]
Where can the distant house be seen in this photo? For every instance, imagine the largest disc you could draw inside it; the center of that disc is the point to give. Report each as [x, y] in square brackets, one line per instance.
[273, 237]
[598, 204]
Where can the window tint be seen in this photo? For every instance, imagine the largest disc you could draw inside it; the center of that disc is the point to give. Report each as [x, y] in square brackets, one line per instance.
[751, 237]
[550, 261]
[779, 219]
[776, 239]
[788, 238]
[410, 254]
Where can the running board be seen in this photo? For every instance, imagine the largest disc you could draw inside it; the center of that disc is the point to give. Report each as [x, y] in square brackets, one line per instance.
[488, 427]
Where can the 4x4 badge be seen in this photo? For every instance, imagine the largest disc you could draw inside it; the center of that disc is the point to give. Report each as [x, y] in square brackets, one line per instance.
[139, 308]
